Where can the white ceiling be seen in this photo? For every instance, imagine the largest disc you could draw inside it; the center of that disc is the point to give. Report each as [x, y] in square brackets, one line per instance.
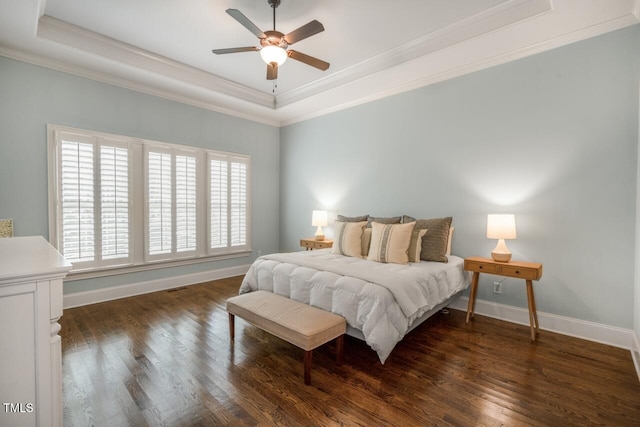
[376, 48]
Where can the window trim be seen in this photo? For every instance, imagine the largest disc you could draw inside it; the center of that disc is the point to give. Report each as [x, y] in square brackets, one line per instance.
[138, 259]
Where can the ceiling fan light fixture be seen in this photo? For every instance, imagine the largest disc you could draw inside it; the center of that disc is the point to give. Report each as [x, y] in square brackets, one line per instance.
[272, 54]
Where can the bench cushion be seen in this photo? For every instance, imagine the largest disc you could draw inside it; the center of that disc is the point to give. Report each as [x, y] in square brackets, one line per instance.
[300, 324]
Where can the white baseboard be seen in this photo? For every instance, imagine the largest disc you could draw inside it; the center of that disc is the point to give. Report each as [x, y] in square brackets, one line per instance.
[635, 353]
[107, 294]
[597, 332]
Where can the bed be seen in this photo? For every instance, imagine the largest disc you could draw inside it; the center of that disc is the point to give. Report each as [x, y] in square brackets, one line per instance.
[381, 302]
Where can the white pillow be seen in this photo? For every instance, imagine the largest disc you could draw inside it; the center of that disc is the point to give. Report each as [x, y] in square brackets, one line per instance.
[390, 242]
[348, 238]
[448, 241]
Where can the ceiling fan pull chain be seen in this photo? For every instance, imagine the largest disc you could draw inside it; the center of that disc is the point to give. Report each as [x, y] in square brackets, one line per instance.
[275, 85]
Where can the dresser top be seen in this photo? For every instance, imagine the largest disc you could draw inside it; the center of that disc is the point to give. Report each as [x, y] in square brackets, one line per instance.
[26, 257]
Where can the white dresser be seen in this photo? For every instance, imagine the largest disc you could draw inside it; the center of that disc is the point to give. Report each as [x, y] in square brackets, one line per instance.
[31, 273]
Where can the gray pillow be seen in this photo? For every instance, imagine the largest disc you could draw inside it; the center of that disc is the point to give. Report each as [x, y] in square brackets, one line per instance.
[383, 220]
[342, 218]
[434, 243]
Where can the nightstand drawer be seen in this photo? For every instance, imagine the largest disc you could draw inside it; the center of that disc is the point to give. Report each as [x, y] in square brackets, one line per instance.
[519, 271]
[307, 244]
[481, 267]
[316, 244]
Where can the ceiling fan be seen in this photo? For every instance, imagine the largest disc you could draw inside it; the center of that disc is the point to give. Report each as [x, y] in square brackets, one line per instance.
[274, 45]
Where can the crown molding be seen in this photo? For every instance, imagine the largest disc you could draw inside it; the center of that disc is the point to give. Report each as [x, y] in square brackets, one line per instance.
[502, 58]
[220, 104]
[88, 41]
[473, 44]
[489, 20]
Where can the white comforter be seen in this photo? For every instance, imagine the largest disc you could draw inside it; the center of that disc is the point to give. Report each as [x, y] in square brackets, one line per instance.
[361, 291]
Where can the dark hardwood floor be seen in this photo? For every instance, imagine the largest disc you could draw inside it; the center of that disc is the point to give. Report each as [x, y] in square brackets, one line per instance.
[165, 359]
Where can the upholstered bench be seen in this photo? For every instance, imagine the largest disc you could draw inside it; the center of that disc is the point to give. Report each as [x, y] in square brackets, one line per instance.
[300, 324]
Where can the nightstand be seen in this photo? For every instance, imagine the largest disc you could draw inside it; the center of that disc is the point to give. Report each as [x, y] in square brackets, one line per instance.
[312, 243]
[528, 271]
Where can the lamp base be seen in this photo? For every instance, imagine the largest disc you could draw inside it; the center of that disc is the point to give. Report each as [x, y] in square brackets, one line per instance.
[498, 257]
[319, 234]
[501, 253]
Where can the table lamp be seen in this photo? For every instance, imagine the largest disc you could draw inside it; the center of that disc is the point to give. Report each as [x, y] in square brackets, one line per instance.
[319, 219]
[501, 227]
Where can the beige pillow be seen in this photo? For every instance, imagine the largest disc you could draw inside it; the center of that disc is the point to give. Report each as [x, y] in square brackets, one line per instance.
[348, 238]
[366, 241]
[390, 242]
[415, 245]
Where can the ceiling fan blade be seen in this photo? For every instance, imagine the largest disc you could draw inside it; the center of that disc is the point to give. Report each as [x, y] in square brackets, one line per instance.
[235, 50]
[239, 16]
[272, 71]
[309, 60]
[307, 30]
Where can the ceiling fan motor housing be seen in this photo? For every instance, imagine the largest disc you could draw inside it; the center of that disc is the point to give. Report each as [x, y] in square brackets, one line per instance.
[274, 38]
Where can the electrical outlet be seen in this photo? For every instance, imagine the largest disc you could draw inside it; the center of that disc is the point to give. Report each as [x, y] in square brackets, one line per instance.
[259, 252]
[497, 287]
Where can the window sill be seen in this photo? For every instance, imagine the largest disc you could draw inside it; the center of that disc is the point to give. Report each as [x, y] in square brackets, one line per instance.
[130, 268]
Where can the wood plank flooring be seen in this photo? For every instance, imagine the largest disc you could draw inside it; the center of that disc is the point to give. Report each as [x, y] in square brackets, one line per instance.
[165, 359]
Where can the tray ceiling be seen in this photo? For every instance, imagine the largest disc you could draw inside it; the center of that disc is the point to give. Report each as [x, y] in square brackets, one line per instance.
[376, 48]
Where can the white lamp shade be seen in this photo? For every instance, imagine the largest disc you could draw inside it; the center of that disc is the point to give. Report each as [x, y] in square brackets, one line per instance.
[273, 54]
[319, 219]
[501, 226]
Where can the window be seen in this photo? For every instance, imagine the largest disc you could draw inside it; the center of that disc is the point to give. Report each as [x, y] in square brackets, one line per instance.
[93, 200]
[119, 202]
[171, 192]
[228, 193]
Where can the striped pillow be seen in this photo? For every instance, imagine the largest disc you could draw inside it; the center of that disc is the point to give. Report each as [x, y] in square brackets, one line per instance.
[348, 238]
[415, 247]
[390, 242]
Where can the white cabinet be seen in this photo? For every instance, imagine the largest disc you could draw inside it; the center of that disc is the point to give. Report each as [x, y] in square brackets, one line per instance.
[31, 273]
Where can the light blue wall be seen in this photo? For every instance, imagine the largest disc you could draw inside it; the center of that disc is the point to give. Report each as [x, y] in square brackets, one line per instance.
[552, 138]
[31, 97]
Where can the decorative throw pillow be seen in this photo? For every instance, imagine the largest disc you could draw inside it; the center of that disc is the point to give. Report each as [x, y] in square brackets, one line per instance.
[348, 238]
[435, 242]
[390, 242]
[449, 240]
[366, 242]
[415, 245]
[343, 218]
[384, 220]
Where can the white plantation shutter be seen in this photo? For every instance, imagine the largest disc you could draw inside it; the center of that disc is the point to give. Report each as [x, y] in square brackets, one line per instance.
[77, 201]
[186, 203]
[172, 205]
[229, 202]
[93, 200]
[117, 202]
[218, 202]
[238, 208]
[114, 186]
[160, 209]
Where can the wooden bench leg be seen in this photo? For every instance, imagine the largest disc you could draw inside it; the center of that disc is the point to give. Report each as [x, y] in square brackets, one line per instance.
[339, 349]
[232, 329]
[307, 366]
